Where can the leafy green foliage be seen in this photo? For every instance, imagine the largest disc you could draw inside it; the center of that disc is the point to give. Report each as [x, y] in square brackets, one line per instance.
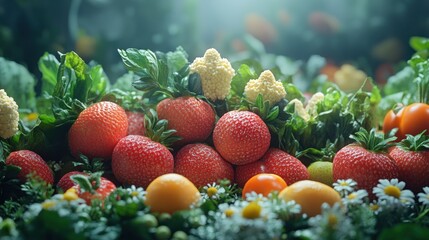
[18, 83]
[157, 129]
[88, 183]
[372, 140]
[421, 46]
[89, 165]
[419, 142]
[36, 189]
[161, 75]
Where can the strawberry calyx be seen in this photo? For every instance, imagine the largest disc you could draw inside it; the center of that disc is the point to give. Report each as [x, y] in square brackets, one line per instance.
[373, 141]
[157, 129]
[88, 183]
[419, 142]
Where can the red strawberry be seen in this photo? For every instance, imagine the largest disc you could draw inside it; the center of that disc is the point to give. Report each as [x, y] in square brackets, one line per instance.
[202, 165]
[412, 159]
[135, 123]
[100, 192]
[413, 167]
[138, 160]
[365, 161]
[241, 137]
[192, 118]
[66, 182]
[30, 162]
[97, 130]
[274, 161]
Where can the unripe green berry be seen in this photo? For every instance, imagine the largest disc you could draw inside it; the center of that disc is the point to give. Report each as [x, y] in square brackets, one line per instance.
[163, 233]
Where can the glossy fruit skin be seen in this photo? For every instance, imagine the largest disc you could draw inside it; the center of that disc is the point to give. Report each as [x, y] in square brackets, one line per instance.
[415, 119]
[65, 181]
[171, 192]
[275, 161]
[310, 195]
[202, 165]
[97, 130]
[392, 120]
[412, 119]
[363, 166]
[137, 160]
[105, 188]
[321, 172]
[192, 118]
[30, 162]
[264, 183]
[135, 123]
[413, 167]
[241, 137]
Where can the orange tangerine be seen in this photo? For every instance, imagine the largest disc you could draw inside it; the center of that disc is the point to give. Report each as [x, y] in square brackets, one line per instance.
[171, 192]
[310, 195]
[264, 183]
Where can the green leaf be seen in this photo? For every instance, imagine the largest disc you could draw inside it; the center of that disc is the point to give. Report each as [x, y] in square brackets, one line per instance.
[239, 81]
[292, 92]
[48, 66]
[142, 62]
[18, 83]
[99, 82]
[419, 43]
[404, 231]
[402, 80]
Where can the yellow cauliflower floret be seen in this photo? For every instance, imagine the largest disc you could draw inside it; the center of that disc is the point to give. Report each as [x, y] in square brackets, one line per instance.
[311, 107]
[266, 85]
[216, 74]
[9, 116]
[350, 79]
[299, 109]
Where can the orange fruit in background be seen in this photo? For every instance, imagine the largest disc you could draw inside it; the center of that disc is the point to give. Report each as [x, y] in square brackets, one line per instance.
[171, 192]
[310, 195]
[264, 183]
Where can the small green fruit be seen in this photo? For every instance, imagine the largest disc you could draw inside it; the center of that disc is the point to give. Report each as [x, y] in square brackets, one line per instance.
[180, 235]
[163, 233]
[321, 172]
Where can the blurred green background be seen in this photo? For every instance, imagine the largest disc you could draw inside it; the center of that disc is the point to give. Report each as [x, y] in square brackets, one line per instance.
[372, 35]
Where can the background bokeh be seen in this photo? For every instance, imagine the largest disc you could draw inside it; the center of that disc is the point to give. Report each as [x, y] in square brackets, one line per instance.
[369, 34]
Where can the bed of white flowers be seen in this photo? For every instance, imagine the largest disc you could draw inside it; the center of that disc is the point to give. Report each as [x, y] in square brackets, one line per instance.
[221, 214]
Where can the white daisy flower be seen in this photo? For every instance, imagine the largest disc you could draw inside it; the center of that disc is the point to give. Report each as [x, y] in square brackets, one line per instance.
[424, 196]
[376, 207]
[355, 197]
[345, 187]
[242, 220]
[393, 190]
[332, 223]
[136, 194]
[253, 196]
[212, 191]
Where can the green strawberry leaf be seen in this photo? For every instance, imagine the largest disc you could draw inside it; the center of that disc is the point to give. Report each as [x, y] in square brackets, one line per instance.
[419, 142]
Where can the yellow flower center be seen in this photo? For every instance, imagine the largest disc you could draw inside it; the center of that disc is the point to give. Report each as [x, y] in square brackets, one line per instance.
[32, 116]
[351, 196]
[70, 195]
[229, 212]
[48, 204]
[252, 211]
[392, 191]
[332, 220]
[211, 191]
[374, 207]
[344, 184]
[134, 193]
